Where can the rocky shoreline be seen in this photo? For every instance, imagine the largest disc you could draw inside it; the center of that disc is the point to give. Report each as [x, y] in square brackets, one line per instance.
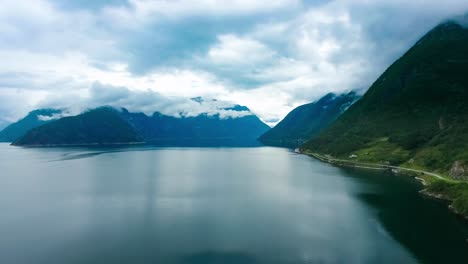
[442, 198]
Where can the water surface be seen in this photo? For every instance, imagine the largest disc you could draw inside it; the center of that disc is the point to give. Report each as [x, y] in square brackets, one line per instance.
[213, 205]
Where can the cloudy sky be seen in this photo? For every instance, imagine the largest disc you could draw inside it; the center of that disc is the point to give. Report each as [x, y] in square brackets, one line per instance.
[152, 55]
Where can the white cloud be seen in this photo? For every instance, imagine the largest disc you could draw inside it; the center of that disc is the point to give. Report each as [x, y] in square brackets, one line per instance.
[38, 26]
[283, 54]
[53, 116]
[143, 10]
[236, 51]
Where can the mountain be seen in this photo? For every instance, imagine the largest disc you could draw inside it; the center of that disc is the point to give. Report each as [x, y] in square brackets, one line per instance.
[3, 124]
[201, 130]
[107, 125]
[33, 119]
[99, 126]
[415, 114]
[307, 120]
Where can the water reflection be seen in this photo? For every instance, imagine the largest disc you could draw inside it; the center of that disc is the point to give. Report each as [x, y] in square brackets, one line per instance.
[221, 205]
[211, 257]
[399, 212]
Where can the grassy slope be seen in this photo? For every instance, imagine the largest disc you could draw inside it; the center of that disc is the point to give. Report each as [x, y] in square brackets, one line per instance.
[415, 115]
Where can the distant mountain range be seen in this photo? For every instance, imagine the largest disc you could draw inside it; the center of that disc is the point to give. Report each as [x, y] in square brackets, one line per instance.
[200, 130]
[307, 120]
[106, 125]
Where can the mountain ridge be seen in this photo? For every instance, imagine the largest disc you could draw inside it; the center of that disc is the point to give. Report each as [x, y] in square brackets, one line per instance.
[159, 129]
[307, 120]
[33, 119]
[98, 126]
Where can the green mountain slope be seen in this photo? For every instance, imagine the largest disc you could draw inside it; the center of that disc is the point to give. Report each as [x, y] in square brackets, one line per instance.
[415, 114]
[307, 120]
[33, 119]
[99, 126]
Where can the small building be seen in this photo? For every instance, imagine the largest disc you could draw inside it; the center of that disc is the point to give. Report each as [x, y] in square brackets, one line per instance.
[352, 156]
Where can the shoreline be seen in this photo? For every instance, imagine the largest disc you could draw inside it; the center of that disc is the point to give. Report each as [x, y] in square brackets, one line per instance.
[396, 170]
[95, 144]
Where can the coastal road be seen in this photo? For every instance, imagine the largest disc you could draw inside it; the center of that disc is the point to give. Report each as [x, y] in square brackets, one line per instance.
[373, 165]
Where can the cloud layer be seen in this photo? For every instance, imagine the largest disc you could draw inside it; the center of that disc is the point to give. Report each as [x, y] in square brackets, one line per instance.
[155, 55]
[147, 102]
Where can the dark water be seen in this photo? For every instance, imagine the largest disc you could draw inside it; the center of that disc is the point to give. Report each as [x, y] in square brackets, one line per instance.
[225, 205]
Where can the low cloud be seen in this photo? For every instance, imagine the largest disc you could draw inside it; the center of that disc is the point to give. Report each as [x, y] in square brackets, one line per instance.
[462, 20]
[147, 102]
[54, 116]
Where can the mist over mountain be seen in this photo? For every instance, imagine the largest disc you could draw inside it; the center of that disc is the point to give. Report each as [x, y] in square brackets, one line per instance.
[200, 130]
[108, 125]
[144, 101]
[34, 119]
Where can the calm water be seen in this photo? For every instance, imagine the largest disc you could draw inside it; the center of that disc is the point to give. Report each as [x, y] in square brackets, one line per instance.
[213, 205]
